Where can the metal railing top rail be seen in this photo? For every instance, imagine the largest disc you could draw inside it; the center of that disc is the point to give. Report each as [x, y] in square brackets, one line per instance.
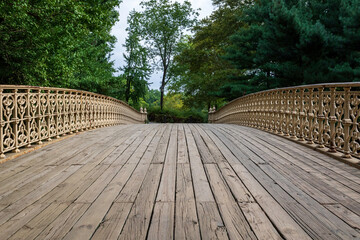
[25, 87]
[318, 85]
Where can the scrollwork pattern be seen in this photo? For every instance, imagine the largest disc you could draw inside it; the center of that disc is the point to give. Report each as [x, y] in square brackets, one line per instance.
[35, 114]
[324, 114]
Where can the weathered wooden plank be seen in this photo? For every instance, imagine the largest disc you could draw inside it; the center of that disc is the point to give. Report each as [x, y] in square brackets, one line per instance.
[166, 192]
[186, 221]
[183, 156]
[234, 219]
[138, 221]
[347, 216]
[36, 225]
[150, 181]
[160, 153]
[258, 221]
[205, 154]
[162, 221]
[64, 222]
[88, 223]
[311, 156]
[201, 185]
[113, 222]
[278, 216]
[308, 162]
[131, 189]
[239, 191]
[18, 206]
[211, 223]
[311, 179]
[307, 208]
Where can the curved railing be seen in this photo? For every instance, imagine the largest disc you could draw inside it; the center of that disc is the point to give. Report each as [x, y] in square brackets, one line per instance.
[324, 114]
[33, 114]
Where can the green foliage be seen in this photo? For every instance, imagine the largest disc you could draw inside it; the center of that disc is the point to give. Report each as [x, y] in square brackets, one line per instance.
[200, 68]
[57, 43]
[248, 46]
[137, 69]
[287, 43]
[162, 25]
[152, 98]
[171, 115]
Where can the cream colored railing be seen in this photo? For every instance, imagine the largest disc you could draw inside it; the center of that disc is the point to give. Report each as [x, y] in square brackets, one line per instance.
[324, 114]
[33, 114]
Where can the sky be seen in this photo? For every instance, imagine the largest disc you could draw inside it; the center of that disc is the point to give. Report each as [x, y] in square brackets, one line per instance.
[119, 31]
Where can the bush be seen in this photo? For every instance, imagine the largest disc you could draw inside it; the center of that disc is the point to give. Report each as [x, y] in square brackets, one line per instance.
[176, 116]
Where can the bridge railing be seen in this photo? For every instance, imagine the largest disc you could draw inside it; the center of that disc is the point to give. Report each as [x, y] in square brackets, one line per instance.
[325, 114]
[33, 114]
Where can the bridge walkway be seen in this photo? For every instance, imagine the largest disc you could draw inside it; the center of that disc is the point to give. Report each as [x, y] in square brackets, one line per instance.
[178, 181]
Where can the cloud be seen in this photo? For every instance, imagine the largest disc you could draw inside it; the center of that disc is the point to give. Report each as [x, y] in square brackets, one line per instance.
[119, 31]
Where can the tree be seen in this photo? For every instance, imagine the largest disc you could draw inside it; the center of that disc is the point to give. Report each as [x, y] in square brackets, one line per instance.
[57, 43]
[137, 69]
[287, 43]
[202, 70]
[163, 24]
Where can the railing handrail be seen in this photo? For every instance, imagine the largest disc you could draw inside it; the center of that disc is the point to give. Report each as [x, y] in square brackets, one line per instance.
[9, 87]
[30, 114]
[327, 114]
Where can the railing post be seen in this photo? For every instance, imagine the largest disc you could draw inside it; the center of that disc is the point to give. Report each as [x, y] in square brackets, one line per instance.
[311, 117]
[28, 117]
[16, 121]
[39, 116]
[278, 112]
[347, 122]
[321, 117]
[2, 125]
[302, 115]
[57, 113]
[332, 120]
[293, 114]
[145, 115]
[48, 113]
[287, 113]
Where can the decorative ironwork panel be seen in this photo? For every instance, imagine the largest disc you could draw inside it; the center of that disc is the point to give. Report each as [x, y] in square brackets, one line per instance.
[325, 114]
[32, 114]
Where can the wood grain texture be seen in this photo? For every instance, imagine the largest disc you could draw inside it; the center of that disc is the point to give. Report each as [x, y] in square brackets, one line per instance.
[178, 181]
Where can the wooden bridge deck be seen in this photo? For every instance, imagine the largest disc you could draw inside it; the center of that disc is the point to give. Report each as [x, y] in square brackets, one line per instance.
[182, 181]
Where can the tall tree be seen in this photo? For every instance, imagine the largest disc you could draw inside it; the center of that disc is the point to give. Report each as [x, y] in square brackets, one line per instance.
[57, 43]
[204, 70]
[163, 24]
[297, 42]
[137, 69]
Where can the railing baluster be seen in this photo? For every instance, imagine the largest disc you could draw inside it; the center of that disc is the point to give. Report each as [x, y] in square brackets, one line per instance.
[321, 117]
[347, 122]
[2, 125]
[311, 117]
[332, 119]
[302, 115]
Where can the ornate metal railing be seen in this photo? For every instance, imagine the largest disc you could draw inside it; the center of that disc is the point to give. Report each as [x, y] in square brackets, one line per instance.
[324, 114]
[33, 114]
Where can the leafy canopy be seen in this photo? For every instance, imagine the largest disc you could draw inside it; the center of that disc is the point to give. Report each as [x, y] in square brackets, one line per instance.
[163, 24]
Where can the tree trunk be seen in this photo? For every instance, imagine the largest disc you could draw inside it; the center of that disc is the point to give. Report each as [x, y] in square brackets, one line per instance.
[161, 97]
[162, 88]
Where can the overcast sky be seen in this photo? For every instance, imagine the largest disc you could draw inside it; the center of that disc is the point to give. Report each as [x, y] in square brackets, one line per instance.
[120, 33]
